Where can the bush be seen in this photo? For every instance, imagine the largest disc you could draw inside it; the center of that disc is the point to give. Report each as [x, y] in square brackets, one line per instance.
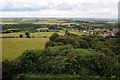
[53, 36]
[27, 34]
[107, 52]
[20, 36]
[7, 70]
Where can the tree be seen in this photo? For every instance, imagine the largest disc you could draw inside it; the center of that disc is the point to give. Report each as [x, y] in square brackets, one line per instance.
[107, 52]
[20, 36]
[54, 36]
[27, 34]
[83, 44]
[117, 35]
[117, 44]
[49, 44]
[7, 70]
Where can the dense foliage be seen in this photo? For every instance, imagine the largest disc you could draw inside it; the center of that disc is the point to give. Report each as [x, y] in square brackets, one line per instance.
[28, 27]
[87, 56]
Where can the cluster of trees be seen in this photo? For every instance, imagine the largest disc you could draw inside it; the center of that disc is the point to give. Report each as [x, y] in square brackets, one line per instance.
[94, 25]
[95, 42]
[27, 35]
[27, 27]
[84, 56]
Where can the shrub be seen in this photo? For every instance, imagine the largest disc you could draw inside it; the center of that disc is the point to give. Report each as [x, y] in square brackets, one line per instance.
[20, 36]
[53, 36]
[27, 34]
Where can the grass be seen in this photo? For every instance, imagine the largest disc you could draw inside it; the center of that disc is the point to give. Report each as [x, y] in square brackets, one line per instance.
[11, 34]
[37, 34]
[14, 47]
[76, 32]
[47, 34]
[40, 34]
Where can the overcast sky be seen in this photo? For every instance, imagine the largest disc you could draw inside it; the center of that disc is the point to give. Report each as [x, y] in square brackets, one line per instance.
[59, 8]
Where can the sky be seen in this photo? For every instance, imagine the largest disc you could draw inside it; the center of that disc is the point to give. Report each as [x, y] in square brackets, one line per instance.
[59, 8]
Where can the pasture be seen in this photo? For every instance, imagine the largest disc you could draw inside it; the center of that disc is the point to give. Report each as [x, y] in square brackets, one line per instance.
[39, 34]
[36, 34]
[14, 47]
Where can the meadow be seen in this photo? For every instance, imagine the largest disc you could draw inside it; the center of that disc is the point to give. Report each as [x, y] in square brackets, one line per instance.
[39, 34]
[14, 47]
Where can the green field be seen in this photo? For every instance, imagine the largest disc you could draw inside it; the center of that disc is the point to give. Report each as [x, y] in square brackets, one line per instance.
[14, 47]
[36, 34]
[39, 34]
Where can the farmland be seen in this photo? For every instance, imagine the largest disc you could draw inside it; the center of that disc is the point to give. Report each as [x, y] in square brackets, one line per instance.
[56, 23]
[39, 34]
[8, 23]
[36, 34]
[12, 48]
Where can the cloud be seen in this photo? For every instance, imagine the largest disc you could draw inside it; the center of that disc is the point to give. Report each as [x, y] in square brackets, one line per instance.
[60, 8]
[20, 5]
[35, 6]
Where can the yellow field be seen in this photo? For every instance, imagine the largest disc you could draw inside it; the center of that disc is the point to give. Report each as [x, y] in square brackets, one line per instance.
[8, 23]
[56, 23]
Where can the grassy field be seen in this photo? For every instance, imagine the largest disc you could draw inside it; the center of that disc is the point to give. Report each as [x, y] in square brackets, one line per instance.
[39, 34]
[47, 34]
[14, 47]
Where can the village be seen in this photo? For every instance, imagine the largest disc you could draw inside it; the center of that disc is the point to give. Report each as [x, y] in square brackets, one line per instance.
[102, 32]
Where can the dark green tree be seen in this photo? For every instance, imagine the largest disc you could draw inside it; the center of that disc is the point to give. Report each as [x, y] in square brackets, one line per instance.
[20, 36]
[54, 36]
[27, 34]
